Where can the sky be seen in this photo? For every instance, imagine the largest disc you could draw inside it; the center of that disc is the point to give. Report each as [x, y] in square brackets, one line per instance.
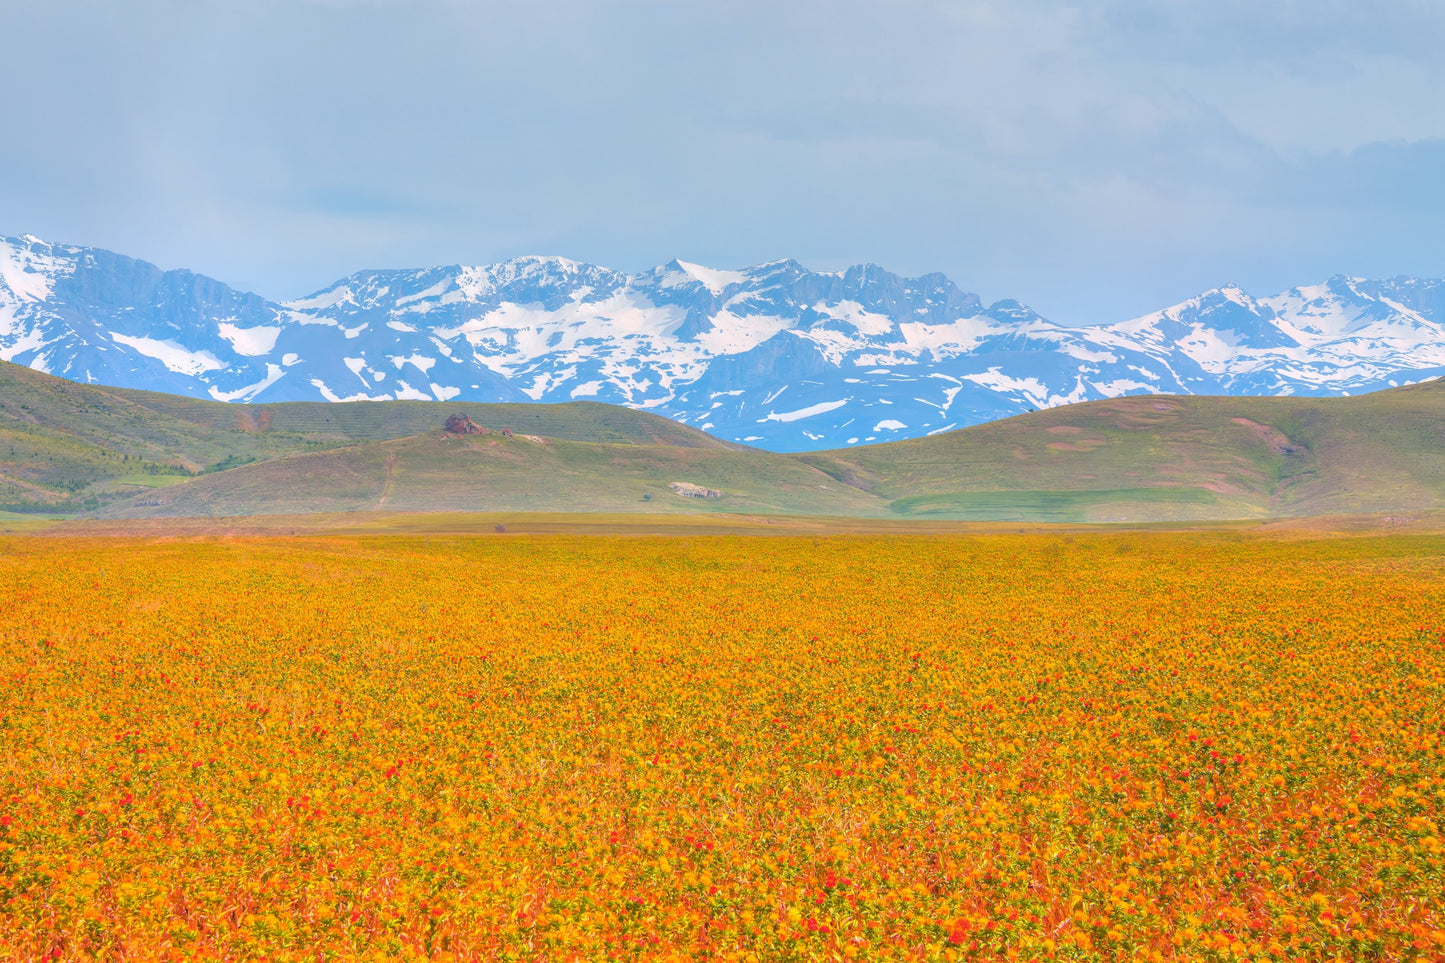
[1095, 160]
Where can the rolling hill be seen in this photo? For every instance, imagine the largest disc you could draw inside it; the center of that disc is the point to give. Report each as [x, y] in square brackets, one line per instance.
[436, 471]
[1170, 458]
[131, 454]
[66, 446]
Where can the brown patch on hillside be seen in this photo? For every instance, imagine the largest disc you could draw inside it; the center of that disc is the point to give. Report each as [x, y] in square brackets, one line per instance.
[1277, 440]
[1220, 486]
[1134, 413]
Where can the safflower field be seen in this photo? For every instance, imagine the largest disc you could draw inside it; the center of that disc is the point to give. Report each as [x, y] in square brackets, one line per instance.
[1093, 747]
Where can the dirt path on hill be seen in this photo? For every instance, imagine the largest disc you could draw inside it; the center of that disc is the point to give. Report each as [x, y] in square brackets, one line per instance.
[389, 482]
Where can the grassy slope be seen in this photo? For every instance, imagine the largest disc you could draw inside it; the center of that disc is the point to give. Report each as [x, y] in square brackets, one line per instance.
[438, 472]
[384, 420]
[65, 446]
[1171, 457]
[62, 443]
[1130, 459]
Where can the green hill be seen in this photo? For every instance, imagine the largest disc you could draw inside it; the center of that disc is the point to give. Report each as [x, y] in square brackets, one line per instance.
[118, 453]
[1165, 457]
[436, 471]
[66, 446]
[345, 422]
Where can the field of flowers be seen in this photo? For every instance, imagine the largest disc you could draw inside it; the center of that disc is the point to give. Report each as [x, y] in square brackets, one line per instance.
[1129, 746]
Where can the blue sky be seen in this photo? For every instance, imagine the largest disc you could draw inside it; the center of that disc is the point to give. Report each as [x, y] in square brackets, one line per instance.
[1096, 160]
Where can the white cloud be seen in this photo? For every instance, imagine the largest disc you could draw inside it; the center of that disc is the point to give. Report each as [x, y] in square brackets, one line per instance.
[1086, 158]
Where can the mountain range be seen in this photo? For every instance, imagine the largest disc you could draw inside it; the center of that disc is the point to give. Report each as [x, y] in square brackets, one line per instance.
[774, 356]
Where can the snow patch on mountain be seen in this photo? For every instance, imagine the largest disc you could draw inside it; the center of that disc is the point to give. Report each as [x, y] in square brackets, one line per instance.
[172, 355]
[274, 373]
[27, 273]
[251, 342]
[822, 407]
[715, 281]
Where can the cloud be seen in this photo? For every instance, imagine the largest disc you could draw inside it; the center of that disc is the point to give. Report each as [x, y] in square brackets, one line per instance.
[1091, 158]
[1388, 177]
[1294, 34]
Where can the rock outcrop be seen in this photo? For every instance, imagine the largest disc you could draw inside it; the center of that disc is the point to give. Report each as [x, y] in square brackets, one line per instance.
[689, 490]
[460, 424]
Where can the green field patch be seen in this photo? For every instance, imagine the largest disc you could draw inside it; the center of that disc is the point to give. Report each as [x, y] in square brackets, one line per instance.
[151, 481]
[15, 523]
[1044, 505]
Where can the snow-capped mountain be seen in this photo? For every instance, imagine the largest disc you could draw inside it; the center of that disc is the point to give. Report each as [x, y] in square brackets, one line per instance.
[774, 355]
